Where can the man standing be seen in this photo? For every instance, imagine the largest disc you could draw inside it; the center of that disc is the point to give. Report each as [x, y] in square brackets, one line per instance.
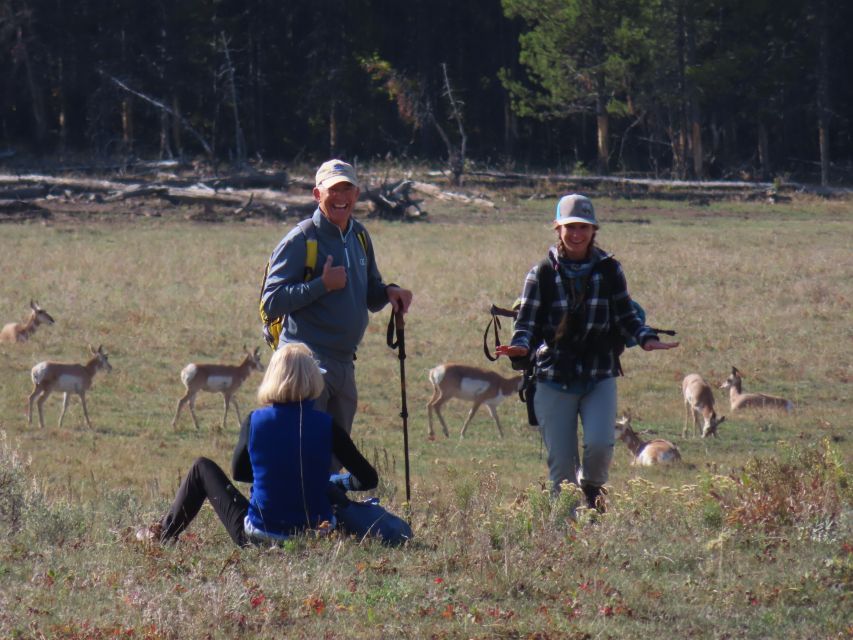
[326, 307]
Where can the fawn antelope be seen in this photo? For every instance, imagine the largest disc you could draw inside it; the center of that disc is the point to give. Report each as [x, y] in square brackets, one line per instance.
[699, 401]
[21, 332]
[740, 400]
[645, 453]
[468, 383]
[217, 378]
[68, 378]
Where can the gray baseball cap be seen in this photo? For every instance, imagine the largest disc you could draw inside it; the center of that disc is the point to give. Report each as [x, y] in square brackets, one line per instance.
[575, 208]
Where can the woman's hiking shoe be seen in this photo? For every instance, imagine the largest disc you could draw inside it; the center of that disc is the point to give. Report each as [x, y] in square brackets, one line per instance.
[595, 497]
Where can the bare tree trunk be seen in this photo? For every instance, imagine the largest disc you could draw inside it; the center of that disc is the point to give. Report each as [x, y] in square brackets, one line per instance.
[764, 150]
[696, 141]
[38, 110]
[165, 147]
[333, 131]
[63, 107]
[510, 127]
[125, 107]
[176, 127]
[680, 161]
[258, 135]
[456, 159]
[823, 113]
[239, 139]
[693, 99]
[602, 126]
[681, 164]
[161, 65]
[127, 125]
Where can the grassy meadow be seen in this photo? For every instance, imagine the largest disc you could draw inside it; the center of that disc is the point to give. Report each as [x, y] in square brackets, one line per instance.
[751, 536]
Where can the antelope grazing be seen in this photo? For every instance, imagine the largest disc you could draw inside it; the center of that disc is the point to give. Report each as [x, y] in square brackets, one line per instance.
[699, 401]
[468, 383]
[217, 378]
[740, 400]
[69, 378]
[646, 453]
[21, 332]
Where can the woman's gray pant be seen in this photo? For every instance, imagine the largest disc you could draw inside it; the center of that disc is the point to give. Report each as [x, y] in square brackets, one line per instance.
[557, 412]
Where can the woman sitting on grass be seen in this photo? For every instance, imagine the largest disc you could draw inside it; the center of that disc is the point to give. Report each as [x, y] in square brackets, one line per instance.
[285, 450]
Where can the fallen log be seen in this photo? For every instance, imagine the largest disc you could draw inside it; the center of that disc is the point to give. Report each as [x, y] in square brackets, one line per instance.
[393, 201]
[276, 180]
[435, 192]
[25, 193]
[17, 210]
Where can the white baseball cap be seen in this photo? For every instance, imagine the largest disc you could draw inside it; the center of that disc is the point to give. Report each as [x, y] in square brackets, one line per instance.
[332, 172]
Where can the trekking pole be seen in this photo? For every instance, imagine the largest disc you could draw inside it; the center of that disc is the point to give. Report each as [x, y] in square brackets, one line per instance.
[398, 323]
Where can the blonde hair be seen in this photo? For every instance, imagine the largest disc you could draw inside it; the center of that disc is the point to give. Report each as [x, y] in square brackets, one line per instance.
[292, 375]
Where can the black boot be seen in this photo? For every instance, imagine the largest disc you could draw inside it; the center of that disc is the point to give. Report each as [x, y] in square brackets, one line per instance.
[595, 497]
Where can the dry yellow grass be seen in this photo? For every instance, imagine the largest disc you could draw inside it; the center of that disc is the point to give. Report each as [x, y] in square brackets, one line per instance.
[766, 289]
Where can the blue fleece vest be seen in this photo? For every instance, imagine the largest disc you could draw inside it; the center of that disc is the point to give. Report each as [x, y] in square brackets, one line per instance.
[288, 496]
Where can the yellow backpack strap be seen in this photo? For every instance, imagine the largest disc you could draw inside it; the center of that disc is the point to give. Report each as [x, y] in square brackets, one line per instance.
[310, 233]
[362, 238]
[261, 295]
[310, 258]
[273, 326]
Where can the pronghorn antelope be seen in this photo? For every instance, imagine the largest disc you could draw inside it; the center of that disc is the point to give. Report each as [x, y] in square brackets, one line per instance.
[740, 400]
[68, 378]
[468, 383]
[217, 378]
[699, 401]
[21, 332]
[645, 453]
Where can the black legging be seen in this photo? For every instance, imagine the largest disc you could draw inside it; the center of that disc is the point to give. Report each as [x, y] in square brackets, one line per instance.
[205, 479]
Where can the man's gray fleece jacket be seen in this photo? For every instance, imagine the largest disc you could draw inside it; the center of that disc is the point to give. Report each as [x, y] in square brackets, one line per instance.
[332, 323]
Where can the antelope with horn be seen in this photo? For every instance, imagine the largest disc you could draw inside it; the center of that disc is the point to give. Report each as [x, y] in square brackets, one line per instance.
[69, 378]
[21, 332]
[468, 383]
[699, 402]
[217, 378]
[644, 453]
[740, 400]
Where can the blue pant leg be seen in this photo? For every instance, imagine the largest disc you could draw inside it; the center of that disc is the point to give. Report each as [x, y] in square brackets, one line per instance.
[363, 520]
[557, 412]
[598, 415]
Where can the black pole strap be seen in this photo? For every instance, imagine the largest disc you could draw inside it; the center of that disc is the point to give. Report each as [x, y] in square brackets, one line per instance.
[397, 324]
[495, 322]
[668, 332]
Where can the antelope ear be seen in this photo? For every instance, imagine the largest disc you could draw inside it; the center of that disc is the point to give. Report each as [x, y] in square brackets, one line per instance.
[33, 305]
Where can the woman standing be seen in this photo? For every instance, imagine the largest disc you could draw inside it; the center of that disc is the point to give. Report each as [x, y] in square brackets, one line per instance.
[573, 308]
[285, 450]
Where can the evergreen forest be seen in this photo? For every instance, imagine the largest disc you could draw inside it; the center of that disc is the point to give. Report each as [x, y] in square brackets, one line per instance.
[686, 89]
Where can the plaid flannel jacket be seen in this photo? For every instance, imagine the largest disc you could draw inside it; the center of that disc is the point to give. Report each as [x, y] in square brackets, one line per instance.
[559, 365]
